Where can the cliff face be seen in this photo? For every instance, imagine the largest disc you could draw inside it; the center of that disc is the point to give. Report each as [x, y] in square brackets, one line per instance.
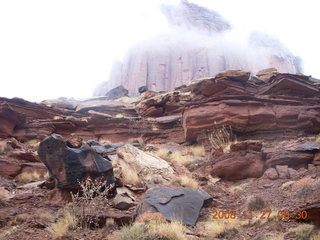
[200, 44]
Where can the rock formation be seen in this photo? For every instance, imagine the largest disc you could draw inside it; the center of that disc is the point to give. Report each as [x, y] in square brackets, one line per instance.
[199, 44]
[69, 166]
[176, 204]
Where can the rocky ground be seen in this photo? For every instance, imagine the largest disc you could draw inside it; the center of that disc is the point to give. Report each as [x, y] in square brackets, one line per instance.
[230, 157]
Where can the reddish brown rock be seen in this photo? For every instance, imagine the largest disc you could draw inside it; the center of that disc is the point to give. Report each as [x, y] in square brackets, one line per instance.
[246, 146]
[291, 159]
[271, 173]
[9, 119]
[238, 165]
[9, 168]
[283, 171]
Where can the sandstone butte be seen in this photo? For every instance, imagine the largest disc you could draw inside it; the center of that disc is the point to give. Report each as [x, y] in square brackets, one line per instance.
[273, 155]
[199, 44]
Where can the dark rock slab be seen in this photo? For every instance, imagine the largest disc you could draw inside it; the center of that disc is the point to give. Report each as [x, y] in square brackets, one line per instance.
[70, 165]
[176, 204]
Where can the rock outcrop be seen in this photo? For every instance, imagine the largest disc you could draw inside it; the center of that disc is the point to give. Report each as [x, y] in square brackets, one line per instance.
[149, 168]
[175, 204]
[198, 46]
[70, 166]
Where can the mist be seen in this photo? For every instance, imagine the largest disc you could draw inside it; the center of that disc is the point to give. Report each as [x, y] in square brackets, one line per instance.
[66, 48]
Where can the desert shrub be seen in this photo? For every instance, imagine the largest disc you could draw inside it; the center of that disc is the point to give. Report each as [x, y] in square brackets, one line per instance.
[152, 231]
[163, 153]
[4, 147]
[255, 203]
[63, 224]
[316, 237]
[178, 157]
[130, 176]
[136, 231]
[90, 202]
[6, 233]
[221, 138]
[222, 228]
[187, 181]
[197, 150]
[26, 177]
[169, 231]
[302, 232]
[4, 196]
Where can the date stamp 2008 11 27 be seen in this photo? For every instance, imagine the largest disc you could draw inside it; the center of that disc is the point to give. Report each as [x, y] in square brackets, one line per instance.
[263, 214]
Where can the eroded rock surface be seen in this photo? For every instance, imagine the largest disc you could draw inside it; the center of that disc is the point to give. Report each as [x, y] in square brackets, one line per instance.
[175, 204]
[69, 166]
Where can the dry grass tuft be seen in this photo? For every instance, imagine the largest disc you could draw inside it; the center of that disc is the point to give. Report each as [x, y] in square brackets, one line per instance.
[223, 228]
[163, 153]
[63, 225]
[130, 176]
[152, 230]
[302, 232]
[4, 196]
[187, 181]
[198, 150]
[183, 160]
[316, 237]
[255, 203]
[5, 234]
[26, 177]
[119, 115]
[170, 231]
[221, 138]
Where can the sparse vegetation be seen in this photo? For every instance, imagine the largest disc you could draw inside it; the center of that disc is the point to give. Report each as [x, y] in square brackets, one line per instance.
[221, 138]
[65, 223]
[119, 115]
[198, 150]
[163, 153]
[26, 177]
[130, 176]
[255, 203]
[4, 196]
[222, 228]
[87, 204]
[4, 147]
[303, 231]
[152, 230]
[316, 237]
[187, 181]
[178, 157]
[5, 234]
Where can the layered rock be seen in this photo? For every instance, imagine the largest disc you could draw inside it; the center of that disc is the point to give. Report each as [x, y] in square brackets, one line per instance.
[199, 44]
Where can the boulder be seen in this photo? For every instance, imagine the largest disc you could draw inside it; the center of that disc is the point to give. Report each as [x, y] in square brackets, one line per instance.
[117, 92]
[146, 165]
[238, 165]
[124, 199]
[175, 204]
[283, 171]
[266, 74]
[235, 75]
[69, 166]
[289, 158]
[142, 89]
[9, 119]
[271, 173]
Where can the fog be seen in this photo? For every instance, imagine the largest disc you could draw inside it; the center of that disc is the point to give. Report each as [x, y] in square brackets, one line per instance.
[65, 48]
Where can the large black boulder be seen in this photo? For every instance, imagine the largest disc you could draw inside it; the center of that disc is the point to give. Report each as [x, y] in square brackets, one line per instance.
[69, 166]
[175, 204]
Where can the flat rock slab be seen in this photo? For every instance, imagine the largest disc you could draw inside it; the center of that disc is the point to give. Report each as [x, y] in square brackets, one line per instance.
[176, 204]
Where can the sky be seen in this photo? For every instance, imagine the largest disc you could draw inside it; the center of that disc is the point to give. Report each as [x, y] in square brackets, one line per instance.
[65, 48]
